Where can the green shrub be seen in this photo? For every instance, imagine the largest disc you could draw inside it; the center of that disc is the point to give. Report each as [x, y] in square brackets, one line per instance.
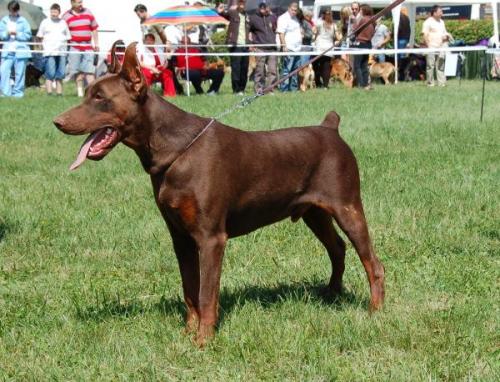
[219, 38]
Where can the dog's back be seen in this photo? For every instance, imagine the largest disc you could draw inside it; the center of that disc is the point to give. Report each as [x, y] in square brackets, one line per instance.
[384, 70]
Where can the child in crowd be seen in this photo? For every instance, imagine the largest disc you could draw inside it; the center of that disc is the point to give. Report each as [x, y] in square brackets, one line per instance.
[54, 34]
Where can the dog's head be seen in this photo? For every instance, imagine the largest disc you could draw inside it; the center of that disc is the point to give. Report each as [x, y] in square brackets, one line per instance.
[342, 70]
[110, 109]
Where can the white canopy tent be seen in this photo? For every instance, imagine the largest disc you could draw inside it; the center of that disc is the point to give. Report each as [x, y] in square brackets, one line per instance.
[116, 19]
[412, 5]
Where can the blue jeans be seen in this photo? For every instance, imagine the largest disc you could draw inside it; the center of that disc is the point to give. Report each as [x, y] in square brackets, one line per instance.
[401, 45]
[19, 65]
[361, 65]
[55, 68]
[380, 57]
[290, 63]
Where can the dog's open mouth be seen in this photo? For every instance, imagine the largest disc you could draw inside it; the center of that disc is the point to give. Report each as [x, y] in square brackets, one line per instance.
[97, 145]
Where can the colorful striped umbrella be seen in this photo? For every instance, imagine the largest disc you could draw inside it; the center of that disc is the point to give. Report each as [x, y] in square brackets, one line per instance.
[187, 15]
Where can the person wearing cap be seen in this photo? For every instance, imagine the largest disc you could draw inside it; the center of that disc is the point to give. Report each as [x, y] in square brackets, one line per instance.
[263, 32]
[237, 37]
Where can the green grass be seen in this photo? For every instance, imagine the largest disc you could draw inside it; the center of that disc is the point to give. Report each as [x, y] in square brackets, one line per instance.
[89, 285]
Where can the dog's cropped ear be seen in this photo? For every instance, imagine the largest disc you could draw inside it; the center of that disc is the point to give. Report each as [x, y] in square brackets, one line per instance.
[114, 65]
[131, 71]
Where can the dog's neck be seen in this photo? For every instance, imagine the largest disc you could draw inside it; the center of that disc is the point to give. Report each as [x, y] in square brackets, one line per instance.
[165, 133]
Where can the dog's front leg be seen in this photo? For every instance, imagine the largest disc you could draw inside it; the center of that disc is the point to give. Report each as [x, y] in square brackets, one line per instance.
[210, 258]
[186, 251]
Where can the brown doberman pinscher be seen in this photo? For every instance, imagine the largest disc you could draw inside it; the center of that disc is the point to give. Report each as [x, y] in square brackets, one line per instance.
[226, 182]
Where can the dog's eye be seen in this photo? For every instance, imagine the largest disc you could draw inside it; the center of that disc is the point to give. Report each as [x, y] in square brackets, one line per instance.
[98, 97]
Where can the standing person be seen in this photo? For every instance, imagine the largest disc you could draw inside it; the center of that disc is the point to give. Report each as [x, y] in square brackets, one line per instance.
[83, 29]
[363, 41]
[345, 24]
[15, 32]
[354, 19]
[404, 33]
[237, 36]
[380, 39]
[307, 30]
[290, 36]
[157, 31]
[54, 34]
[404, 29]
[263, 32]
[327, 35]
[435, 36]
[355, 13]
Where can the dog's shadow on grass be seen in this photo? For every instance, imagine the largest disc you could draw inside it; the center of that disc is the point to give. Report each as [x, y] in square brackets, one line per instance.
[4, 230]
[267, 297]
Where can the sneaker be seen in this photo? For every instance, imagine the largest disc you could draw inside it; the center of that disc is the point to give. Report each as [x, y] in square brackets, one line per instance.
[442, 85]
[212, 93]
[430, 85]
[240, 94]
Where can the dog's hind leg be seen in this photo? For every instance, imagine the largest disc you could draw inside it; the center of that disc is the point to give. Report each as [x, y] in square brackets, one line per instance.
[351, 219]
[187, 257]
[321, 224]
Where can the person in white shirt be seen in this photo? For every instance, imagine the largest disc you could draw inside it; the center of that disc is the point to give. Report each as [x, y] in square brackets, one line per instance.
[54, 34]
[435, 36]
[326, 35]
[174, 35]
[380, 39]
[290, 36]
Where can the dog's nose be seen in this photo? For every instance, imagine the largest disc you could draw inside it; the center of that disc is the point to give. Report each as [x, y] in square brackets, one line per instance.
[58, 122]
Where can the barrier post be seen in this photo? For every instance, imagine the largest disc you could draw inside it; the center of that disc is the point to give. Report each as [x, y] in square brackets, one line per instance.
[484, 84]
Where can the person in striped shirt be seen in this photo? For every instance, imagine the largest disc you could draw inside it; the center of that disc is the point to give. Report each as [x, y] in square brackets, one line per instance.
[83, 29]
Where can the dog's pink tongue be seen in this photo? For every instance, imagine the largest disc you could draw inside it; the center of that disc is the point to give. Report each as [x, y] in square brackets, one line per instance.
[84, 150]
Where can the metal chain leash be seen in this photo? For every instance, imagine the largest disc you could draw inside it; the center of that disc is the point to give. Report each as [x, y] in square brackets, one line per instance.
[248, 100]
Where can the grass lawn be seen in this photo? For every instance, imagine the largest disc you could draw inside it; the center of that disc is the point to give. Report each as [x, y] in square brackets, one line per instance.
[89, 285]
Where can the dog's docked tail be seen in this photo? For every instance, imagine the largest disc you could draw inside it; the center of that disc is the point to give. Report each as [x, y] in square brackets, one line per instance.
[331, 120]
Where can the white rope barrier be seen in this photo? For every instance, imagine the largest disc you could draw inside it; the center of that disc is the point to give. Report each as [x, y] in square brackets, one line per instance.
[171, 44]
[336, 52]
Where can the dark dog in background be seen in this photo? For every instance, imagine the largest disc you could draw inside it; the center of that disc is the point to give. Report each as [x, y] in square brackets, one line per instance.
[213, 182]
[413, 67]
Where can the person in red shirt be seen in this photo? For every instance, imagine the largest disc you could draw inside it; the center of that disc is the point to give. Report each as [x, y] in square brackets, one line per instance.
[198, 69]
[83, 29]
[154, 66]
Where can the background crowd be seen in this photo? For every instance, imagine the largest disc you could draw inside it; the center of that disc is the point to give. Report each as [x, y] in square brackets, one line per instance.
[70, 41]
